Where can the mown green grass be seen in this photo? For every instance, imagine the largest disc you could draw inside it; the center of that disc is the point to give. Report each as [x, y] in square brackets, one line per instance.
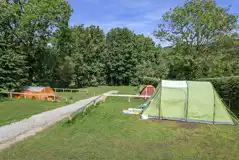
[106, 133]
[12, 110]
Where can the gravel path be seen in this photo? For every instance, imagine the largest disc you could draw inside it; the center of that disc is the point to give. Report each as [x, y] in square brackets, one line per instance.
[18, 131]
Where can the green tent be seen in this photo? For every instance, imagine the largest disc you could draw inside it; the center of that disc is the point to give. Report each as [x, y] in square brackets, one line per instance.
[189, 101]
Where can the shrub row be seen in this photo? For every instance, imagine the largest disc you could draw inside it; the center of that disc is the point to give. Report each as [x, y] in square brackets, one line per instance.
[149, 81]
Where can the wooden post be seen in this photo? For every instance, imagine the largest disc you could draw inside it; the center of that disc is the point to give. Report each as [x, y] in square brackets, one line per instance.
[54, 98]
[63, 89]
[104, 99]
[24, 95]
[10, 94]
[129, 100]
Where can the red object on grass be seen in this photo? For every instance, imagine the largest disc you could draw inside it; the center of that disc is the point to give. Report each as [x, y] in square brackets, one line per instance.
[148, 90]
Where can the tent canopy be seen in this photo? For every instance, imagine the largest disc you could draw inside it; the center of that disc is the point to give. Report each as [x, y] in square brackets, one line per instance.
[190, 101]
[147, 90]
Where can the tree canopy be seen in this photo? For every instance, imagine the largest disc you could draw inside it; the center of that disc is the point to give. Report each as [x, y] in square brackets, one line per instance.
[37, 46]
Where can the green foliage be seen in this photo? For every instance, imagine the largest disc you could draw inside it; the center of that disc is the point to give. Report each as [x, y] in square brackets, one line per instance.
[150, 81]
[37, 47]
[228, 89]
[202, 36]
[89, 49]
[82, 114]
[129, 57]
[122, 57]
[26, 28]
[63, 72]
[197, 23]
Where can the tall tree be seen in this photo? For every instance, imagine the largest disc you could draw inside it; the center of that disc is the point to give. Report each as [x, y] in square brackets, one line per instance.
[36, 25]
[89, 50]
[122, 57]
[195, 30]
[196, 24]
[28, 27]
[13, 69]
[151, 61]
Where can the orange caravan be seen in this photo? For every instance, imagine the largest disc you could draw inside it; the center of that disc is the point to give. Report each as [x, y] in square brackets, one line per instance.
[30, 92]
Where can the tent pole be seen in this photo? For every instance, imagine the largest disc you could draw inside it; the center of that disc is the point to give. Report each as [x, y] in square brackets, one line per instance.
[214, 105]
[186, 109]
[146, 92]
[160, 93]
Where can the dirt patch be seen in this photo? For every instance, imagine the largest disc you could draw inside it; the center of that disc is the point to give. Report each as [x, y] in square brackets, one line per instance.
[160, 121]
[187, 125]
[177, 124]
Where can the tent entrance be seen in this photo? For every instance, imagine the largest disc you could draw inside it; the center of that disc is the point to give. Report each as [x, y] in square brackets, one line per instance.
[173, 104]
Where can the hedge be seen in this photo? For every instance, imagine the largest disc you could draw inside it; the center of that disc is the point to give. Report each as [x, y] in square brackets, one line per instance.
[228, 89]
[149, 81]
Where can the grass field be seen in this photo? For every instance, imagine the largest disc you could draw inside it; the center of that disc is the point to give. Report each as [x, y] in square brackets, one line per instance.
[12, 110]
[106, 133]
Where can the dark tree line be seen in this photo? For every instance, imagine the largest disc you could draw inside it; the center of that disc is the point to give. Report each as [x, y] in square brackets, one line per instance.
[38, 48]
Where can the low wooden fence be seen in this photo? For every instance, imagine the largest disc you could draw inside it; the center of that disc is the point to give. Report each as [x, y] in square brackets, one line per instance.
[11, 94]
[125, 95]
[70, 90]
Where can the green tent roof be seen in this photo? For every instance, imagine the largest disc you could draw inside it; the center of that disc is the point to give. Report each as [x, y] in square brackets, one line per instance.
[189, 101]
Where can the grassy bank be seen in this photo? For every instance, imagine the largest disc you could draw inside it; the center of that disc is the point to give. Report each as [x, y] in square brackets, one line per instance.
[106, 133]
[12, 110]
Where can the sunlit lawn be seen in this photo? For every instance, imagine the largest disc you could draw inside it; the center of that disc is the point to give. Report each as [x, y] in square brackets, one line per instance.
[106, 133]
[12, 110]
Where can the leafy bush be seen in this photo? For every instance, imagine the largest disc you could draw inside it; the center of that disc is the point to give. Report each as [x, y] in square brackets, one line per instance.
[150, 81]
[228, 89]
